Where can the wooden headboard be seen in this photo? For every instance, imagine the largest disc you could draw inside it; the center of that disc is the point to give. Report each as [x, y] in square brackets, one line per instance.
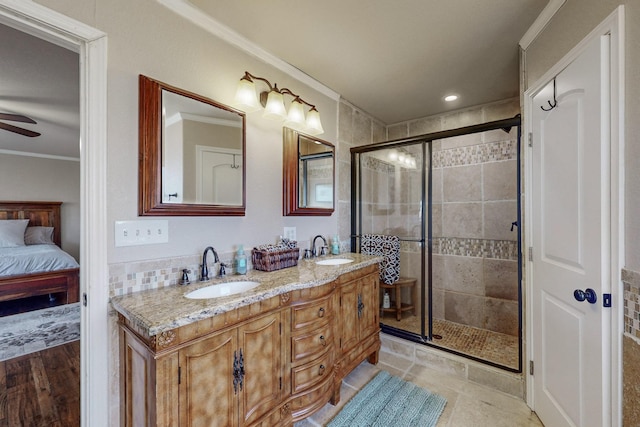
[46, 214]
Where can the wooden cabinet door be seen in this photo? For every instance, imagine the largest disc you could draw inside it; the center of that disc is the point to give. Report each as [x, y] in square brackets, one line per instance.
[349, 335]
[368, 291]
[138, 393]
[207, 395]
[260, 342]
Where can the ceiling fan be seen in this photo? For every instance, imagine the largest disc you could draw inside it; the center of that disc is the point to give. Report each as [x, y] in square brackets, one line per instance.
[16, 129]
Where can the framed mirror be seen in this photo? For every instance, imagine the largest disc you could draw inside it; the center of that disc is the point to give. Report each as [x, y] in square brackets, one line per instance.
[309, 175]
[191, 154]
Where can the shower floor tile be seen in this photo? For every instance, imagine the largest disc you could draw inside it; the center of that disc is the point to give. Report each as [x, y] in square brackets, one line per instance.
[494, 347]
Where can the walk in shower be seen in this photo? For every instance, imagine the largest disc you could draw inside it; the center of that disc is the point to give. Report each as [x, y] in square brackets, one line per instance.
[453, 200]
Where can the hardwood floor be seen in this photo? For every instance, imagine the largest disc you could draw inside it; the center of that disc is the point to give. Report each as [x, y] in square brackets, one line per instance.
[41, 389]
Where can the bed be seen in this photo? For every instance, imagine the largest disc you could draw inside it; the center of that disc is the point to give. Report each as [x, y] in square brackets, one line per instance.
[37, 274]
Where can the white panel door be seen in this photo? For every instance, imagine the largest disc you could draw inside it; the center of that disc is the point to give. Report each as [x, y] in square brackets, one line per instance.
[571, 238]
[219, 176]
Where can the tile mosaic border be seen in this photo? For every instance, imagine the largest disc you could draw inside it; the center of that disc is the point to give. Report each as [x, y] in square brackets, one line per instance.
[479, 248]
[476, 154]
[631, 280]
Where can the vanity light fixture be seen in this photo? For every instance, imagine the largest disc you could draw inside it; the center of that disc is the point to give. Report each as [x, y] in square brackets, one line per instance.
[274, 108]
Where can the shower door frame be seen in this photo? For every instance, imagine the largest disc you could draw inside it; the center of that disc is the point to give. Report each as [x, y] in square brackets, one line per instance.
[426, 237]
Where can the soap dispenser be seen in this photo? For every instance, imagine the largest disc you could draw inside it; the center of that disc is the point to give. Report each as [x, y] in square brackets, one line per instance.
[241, 261]
[335, 245]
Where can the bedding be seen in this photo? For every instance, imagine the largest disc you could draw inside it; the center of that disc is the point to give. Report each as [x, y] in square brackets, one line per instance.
[34, 259]
[34, 227]
[12, 232]
[39, 236]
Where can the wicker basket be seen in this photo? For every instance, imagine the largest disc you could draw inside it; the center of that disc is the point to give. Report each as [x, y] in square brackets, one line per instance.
[276, 260]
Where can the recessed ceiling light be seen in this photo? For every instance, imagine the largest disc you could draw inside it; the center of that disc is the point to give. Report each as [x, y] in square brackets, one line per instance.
[450, 98]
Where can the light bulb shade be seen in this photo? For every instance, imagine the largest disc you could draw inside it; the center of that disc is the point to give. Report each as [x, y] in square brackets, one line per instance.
[295, 118]
[314, 126]
[246, 98]
[274, 109]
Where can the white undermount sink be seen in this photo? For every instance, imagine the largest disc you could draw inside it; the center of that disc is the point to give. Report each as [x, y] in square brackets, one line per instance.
[334, 261]
[222, 289]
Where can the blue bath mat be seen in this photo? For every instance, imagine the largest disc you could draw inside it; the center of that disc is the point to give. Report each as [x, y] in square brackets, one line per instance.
[390, 401]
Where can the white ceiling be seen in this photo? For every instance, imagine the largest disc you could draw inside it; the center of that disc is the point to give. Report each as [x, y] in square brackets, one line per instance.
[39, 80]
[396, 60]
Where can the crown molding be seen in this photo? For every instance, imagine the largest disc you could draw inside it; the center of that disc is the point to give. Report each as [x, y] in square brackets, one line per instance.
[541, 21]
[42, 156]
[206, 22]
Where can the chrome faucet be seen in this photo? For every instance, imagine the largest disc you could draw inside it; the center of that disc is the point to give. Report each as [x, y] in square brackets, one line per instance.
[323, 249]
[204, 272]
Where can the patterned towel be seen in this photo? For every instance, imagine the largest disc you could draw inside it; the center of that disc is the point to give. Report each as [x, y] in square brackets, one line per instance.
[389, 248]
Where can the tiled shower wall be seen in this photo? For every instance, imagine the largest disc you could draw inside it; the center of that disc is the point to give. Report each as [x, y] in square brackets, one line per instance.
[475, 269]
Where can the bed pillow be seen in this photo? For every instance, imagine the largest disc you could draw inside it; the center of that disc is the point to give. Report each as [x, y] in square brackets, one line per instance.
[12, 232]
[39, 236]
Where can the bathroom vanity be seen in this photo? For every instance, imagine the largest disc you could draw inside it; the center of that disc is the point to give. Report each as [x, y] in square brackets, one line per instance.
[266, 357]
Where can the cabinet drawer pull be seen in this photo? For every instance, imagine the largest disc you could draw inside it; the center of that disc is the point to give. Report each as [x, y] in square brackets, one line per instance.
[323, 341]
[321, 370]
[321, 312]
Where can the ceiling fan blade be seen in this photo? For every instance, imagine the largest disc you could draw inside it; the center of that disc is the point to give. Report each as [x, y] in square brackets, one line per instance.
[16, 118]
[16, 129]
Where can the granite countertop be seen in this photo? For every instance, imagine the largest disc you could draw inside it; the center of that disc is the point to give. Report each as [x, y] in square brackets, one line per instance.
[160, 310]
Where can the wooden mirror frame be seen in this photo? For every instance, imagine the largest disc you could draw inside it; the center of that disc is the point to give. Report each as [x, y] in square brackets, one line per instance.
[291, 196]
[150, 156]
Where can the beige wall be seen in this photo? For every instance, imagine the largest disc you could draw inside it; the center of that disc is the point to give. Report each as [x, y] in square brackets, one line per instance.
[146, 38]
[35, 178]
[356, 128]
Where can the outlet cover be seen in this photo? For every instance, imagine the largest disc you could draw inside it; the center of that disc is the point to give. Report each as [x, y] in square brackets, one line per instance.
[141, 232]
[289, 233]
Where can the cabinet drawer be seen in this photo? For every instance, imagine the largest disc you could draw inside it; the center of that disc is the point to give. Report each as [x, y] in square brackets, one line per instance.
[308, 375]
[311, 343]
[312, 400]
[311, 313]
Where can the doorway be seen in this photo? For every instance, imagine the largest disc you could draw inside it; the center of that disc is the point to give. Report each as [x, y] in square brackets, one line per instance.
[575, 226]
[91, 45]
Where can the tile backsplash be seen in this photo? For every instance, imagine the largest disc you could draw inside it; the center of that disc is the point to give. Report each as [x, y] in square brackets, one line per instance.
[130, 277]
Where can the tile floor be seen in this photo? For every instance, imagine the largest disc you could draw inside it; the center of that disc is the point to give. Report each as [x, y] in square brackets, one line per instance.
[468, 403]
[482, 343]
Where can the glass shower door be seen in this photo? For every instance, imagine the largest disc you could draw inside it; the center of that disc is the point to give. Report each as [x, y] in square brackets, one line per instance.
[392, 203]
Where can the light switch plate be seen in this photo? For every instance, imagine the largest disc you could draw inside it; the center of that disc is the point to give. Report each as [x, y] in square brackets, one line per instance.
[289, 233]
[141, 232]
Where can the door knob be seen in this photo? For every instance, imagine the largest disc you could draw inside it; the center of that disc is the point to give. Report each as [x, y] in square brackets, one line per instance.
[588, 294]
